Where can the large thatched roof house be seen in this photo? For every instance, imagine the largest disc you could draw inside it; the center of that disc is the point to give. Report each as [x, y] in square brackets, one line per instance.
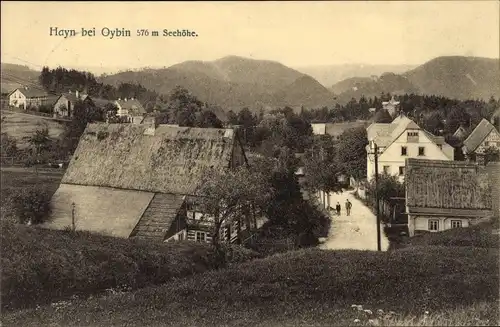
[131, 180]
[445, 194]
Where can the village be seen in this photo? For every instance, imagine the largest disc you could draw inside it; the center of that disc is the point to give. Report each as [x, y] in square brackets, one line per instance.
[423, 161]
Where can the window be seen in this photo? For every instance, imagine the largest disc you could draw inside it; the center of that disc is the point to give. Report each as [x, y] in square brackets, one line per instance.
[201, 237]
[421, 151]
[404, 151]
[412, 137]
[412, 134]
[456, 224]
[387, 170]
[486, 143]
[433, 225]
[401, 170]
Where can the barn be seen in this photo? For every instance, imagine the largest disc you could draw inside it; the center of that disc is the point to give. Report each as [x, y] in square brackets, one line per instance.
[136, 180]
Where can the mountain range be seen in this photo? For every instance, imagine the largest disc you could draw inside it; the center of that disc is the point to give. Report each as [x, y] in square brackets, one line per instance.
[451, 76]
[235, 82]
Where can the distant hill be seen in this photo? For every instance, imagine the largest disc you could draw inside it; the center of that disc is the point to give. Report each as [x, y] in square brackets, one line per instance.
[233, 83]
[458, 77]
[14, 76]
[329, 75]
[371, 87]
[453, 77]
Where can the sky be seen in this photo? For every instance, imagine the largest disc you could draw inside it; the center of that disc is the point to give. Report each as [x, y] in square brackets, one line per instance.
[293, 33]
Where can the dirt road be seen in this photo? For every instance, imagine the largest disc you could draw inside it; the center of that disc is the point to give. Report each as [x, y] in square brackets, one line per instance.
[357, 231]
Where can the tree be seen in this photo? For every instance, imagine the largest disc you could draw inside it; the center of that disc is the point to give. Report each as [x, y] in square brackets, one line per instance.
[8, 145]
[434, 122]
[351, 152]
[232, 118]
[207, 118]
[382, 117]
[491, 154]
[227, 195]
[110, 111]
[83, 114]
[456, 117]
[321, 166]
[40, 140]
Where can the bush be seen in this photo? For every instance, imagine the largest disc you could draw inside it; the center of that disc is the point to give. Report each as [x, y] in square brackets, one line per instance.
[32, 204]
[480, 236]
[40, 266]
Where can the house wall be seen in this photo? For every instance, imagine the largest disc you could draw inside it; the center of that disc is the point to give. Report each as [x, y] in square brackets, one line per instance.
[392, 157]
[179, 236]
[17, 99]
[62, 107]
[493, 140]
[421, 223]
[121, 112]
[36, 102]
[318, 128]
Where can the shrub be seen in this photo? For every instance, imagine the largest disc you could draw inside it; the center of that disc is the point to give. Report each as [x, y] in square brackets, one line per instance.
[32, 204]
[40, 266]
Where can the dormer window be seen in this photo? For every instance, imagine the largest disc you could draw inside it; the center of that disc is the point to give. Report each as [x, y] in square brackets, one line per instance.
[412, 136]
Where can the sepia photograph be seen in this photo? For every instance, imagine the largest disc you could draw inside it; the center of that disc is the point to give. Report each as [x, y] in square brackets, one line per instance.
[250, 163]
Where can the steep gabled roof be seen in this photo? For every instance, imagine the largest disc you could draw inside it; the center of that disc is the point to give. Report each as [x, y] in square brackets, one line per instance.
[138, 157]
[482, 130]
[31, 92]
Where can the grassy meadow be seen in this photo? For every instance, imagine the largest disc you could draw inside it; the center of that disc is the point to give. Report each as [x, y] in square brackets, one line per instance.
[304, 288]
[21, 126]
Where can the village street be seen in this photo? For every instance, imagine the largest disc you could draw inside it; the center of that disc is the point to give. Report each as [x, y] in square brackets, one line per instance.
[357, 231]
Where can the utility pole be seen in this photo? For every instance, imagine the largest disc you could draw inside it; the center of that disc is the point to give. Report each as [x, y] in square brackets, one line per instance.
[73, 216]
[375, 148]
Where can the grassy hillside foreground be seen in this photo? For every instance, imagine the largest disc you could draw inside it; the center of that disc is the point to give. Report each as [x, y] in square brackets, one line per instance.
[304, 288]
[42, 266]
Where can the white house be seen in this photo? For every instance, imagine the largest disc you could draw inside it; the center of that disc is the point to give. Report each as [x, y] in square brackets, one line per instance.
[27, 97]
[130, 108]
[400, 140]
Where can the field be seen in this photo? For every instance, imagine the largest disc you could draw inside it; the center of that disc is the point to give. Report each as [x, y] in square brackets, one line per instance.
[20, 126]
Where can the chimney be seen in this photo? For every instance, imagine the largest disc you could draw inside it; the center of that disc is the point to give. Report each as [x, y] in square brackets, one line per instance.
[119, 99]
[125, 99]
[77, 94]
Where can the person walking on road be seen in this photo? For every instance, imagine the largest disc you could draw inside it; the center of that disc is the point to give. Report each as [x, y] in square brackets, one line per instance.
[348, 206]
[338, 207]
